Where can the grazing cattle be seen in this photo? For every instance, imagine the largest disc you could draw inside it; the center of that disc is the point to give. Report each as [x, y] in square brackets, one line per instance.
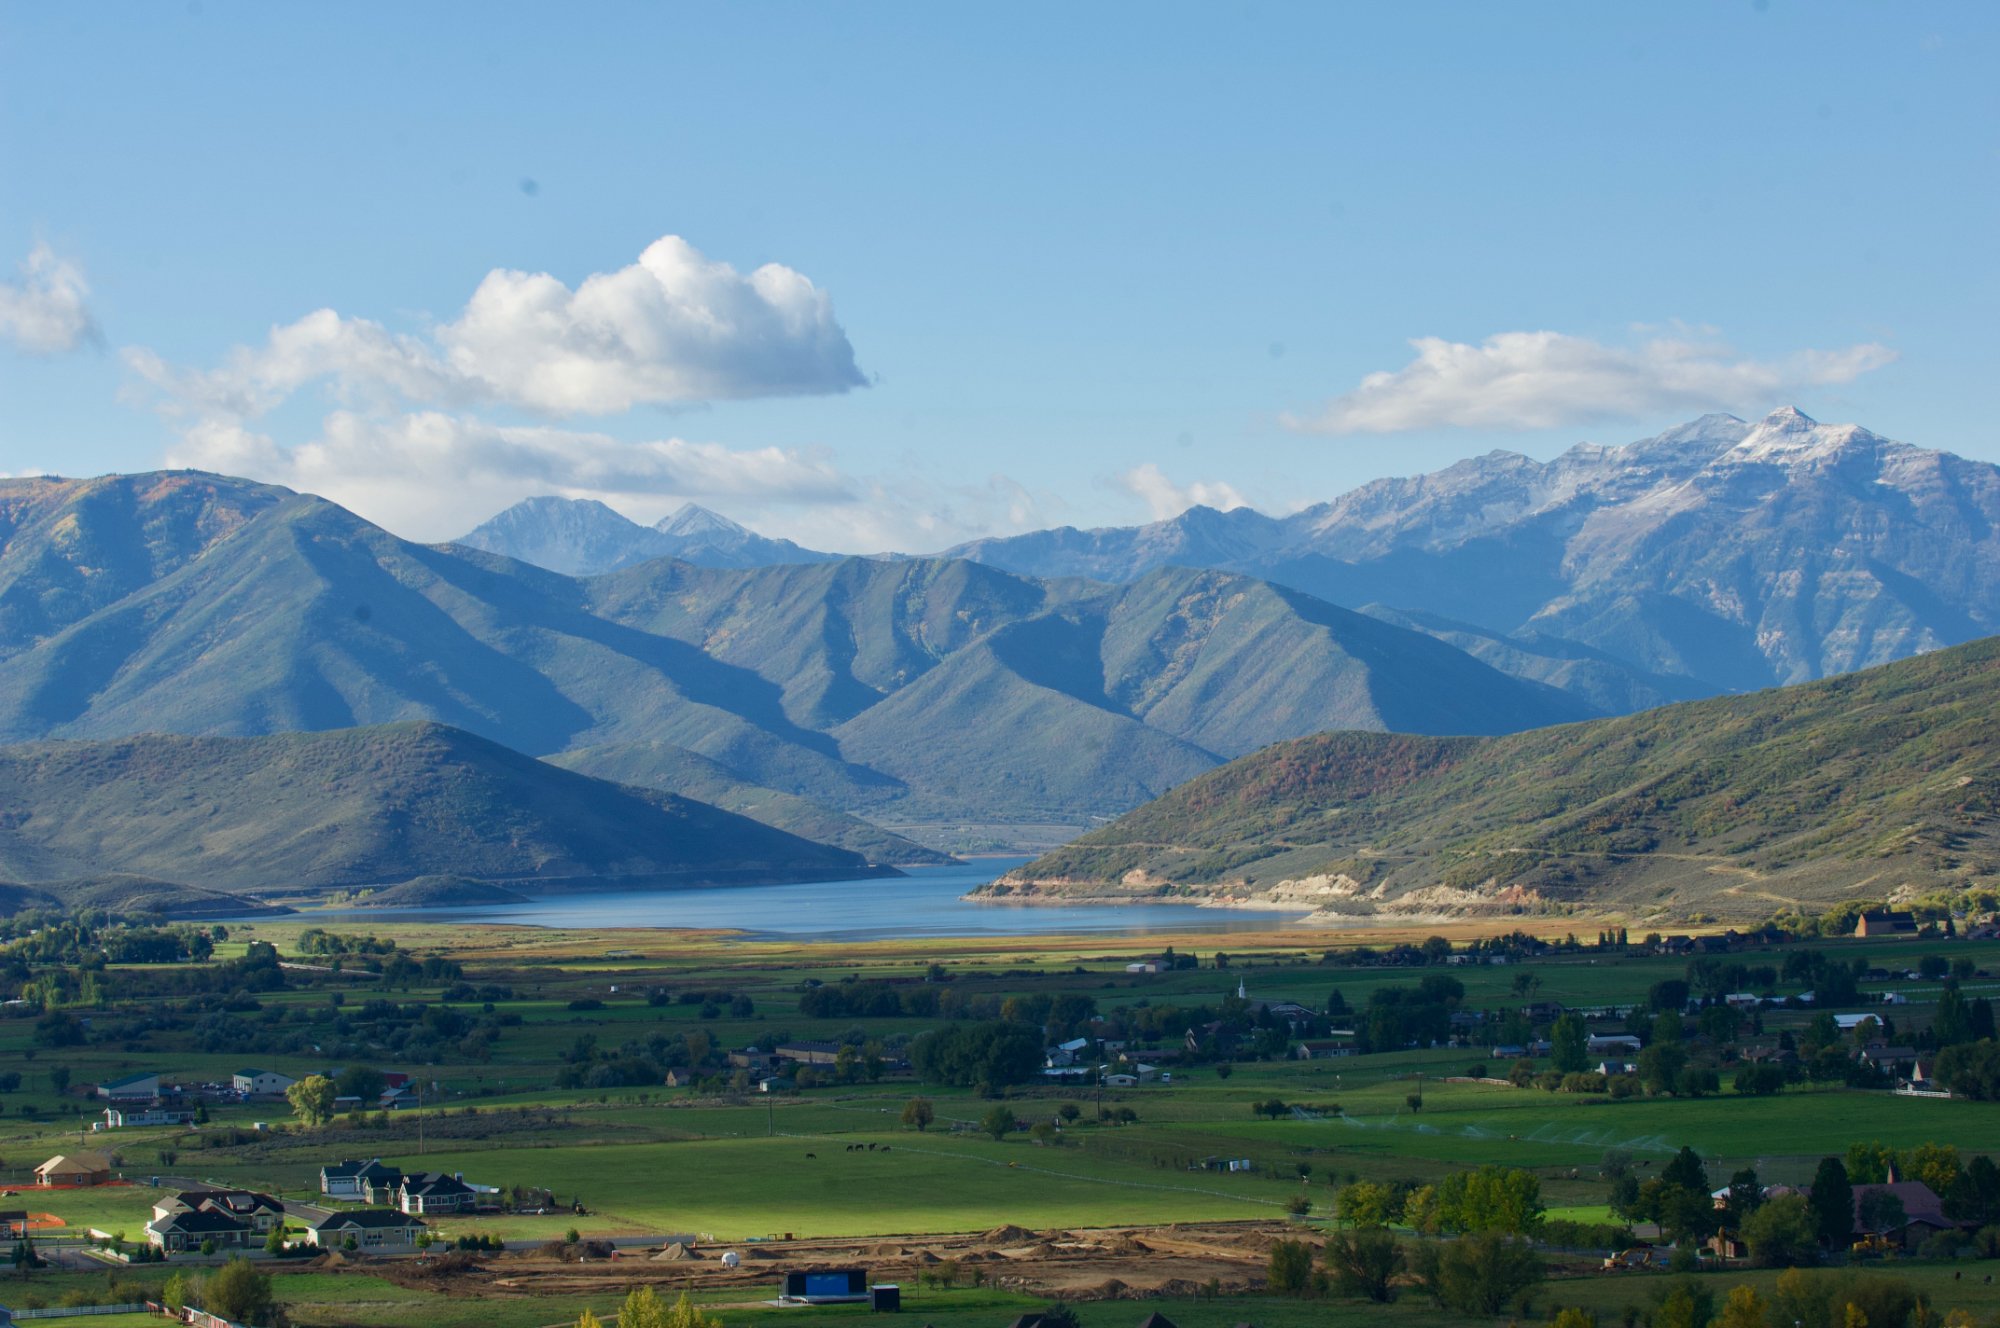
[814, 1156]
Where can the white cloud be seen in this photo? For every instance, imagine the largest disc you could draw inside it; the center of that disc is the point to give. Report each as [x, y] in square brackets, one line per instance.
[1539, 380]
[47, 310]
[1167, 499]
[672, 328]
[433, 475]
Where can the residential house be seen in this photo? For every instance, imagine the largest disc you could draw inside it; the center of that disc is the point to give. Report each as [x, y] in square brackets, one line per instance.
[361, 1181]
[1065, 1054]
[1921, 1216]
[262, 1083]
[1341, 1043]
[135, 1089]
[369, 1228]
[259, 1213]
[190, 1228]
[74, 1170]
[119, 1118]
[429, 1192]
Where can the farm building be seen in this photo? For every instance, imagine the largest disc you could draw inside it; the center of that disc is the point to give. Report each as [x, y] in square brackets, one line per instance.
[1886, 922]
[262, 1083]
[74, 1169]
[133, 1088]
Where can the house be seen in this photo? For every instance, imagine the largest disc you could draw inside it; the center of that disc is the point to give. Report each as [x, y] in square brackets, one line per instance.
[1065, 1054]
[429, 1192]
[1327, 1048]
[259, 1213]
[367, 1228]
[809, 1053]
[750, 1058]
[680, 1077]
[1612, 1069]
[1143, 966]
[1611, 1044]
[397, 1098]
[190, 1228]
[116, 1118]
[1121, 1081]
[143, 1089]
[1886, 922]
[74, 1170]
[776, 1083]
[1921, 1214]
[262, 1083]
[359, 1180]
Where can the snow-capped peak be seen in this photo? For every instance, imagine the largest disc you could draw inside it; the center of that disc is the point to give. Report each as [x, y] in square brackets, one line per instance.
[692, 520]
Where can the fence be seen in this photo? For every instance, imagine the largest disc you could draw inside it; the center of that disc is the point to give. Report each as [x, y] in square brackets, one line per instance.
[74, 1311]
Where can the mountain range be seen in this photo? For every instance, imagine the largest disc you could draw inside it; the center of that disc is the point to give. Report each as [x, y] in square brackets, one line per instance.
[198, 604]
[299, 813]
[1875, 785]
[1723, 555]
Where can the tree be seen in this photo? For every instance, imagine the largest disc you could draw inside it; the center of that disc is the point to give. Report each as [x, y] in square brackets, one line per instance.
[1744, 1308]
[643, 1308]
[686, 1314]
[1483, 1273]
[59, 1079]
[1782, 1233]
[1572, 1317]
[174, 1294]
[998, 1122]
[1687, 1304]
[275, 1242]
[238, 1291]
[1059, 1315]
[1290, 1271]
[589, 1320]
[1881, 1210]
[1972, 1069]
[1832, 1203]
[312, 1099]
[1660, 1066]
[362, 1081]
[1364, 1263]
[1367, 1204]
[1570, 1044]
[919, 1112]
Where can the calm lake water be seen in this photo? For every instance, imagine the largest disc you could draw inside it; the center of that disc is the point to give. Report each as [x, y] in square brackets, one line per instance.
[925, 902]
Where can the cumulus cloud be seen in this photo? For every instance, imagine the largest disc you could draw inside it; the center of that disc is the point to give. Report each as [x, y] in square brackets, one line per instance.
[672, 328]
[433, 474]
[1167, 499]
[1539, 380]
[47, 311]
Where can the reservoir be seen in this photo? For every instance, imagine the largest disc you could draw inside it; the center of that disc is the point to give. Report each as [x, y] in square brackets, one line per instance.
[924, 902]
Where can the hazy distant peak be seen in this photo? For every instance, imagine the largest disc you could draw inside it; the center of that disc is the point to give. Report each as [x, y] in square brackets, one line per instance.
[693, 520]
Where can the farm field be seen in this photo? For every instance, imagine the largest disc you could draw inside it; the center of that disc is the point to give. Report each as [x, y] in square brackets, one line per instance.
[730, 1164]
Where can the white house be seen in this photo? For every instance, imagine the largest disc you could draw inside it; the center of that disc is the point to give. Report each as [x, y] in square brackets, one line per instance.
[262, 1083]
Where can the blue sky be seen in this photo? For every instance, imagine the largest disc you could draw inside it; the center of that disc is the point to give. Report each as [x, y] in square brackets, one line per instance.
[1033, 265]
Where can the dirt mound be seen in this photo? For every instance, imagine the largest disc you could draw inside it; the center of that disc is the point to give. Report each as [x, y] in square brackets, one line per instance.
[1109, 1289]
[1125, 1245]
[675, 1252]
[925, 1256]
[1041, 1250]
[888, 1251]
[1008, 1235]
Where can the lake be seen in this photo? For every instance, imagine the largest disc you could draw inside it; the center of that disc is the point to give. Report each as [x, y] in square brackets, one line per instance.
[925, 902]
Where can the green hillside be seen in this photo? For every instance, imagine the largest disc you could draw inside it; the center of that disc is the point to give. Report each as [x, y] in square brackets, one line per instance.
[356, 807]
[1866, 786]
[671, 769]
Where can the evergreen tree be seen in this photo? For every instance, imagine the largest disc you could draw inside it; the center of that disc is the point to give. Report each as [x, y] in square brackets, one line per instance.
[1832, 1203]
